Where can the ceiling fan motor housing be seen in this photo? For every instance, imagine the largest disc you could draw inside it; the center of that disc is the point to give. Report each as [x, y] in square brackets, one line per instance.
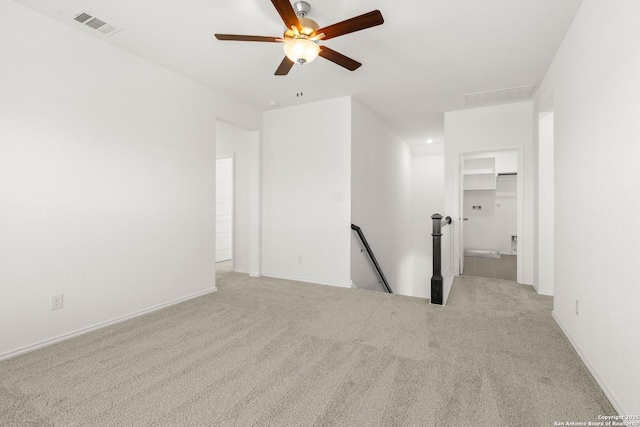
[301, 8]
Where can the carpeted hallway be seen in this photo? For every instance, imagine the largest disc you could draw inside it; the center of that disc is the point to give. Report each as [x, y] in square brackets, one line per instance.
[265, 352]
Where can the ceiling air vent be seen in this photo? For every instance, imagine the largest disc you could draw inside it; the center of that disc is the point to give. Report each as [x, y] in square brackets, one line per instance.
[82, 17]
[512, 94]
[95, 23]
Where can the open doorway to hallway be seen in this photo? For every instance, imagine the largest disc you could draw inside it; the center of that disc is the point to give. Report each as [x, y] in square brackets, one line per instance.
[223, 266]
[490, 214]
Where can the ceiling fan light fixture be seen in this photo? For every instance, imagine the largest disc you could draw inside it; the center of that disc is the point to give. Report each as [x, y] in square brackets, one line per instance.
[301, 50]
[300, 39]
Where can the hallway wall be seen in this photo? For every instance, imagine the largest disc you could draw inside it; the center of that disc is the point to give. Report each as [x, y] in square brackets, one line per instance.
[491, 226]
[107, 170]
[595, 83]
[307, 191]
[380, 202]
[508, 126]
[544, 283]
[427, 198]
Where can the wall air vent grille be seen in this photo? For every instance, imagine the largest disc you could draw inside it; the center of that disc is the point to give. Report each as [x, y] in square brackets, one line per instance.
[95, 23]
[500, 96]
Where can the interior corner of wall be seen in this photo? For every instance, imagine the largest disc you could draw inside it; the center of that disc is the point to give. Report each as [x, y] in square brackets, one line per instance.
[536, 287]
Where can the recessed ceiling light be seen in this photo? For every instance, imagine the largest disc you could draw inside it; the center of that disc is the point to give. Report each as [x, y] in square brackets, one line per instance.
[429, 141]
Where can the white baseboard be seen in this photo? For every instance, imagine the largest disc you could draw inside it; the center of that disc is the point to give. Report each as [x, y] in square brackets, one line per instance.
[446, 289]
[315, 282]
[245, 271]
[63, 337]
[547, 293]
[448, 275]
[607, 391]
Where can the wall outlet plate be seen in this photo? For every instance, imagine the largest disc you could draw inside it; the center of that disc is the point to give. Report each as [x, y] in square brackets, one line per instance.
[56, 301]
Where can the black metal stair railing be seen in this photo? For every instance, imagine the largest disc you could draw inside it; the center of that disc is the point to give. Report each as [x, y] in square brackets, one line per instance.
[372, 257]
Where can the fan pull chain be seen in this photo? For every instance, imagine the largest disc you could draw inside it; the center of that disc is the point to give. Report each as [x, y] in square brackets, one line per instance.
[299, 93]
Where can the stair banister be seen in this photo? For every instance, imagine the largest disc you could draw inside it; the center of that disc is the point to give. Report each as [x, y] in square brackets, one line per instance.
[437, 281]
[372, 257]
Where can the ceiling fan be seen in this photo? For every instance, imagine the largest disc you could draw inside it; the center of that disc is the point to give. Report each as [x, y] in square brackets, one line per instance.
[300, 41]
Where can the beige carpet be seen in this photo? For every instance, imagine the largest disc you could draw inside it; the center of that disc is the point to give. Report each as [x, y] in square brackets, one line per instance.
[270, 352]
[505, 267]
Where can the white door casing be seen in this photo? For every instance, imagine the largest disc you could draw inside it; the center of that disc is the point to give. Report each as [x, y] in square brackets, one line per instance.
[224, 209]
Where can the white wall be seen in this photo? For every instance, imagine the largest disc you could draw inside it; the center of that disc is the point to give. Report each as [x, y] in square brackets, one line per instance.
[595, 83]
[492, 128]
[380, 203]
[243, 145]
[107, 168]
[491, 227]
[427, 198]
[306, 192]
[546, 211]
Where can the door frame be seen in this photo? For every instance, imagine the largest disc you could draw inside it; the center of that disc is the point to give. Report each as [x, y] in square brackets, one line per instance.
[233, 204]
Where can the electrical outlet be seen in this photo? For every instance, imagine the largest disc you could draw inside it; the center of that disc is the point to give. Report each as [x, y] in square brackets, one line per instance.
[299, 259]
[56, 301]
[577, 308]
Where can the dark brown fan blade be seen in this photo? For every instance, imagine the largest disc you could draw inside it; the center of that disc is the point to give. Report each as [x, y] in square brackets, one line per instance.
[340, 59]
[287, 13]
[239, 38]
[284, 67]
[358, 23]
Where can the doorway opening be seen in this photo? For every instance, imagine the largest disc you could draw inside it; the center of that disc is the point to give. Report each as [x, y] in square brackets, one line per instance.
[224, 213]
[489, 230]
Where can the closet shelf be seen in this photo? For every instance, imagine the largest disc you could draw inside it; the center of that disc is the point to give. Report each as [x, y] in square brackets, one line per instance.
[480, 173]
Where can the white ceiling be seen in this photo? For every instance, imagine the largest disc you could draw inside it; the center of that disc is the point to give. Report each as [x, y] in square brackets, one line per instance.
[419, 64]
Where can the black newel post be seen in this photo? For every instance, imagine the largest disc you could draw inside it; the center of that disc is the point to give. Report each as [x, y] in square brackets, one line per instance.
[437, 280]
